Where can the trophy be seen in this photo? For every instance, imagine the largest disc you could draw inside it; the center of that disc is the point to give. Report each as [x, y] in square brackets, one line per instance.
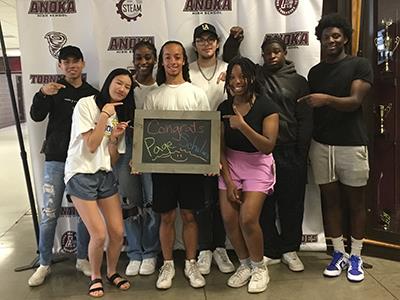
[383, 111]
[385, 219]
[385, 45]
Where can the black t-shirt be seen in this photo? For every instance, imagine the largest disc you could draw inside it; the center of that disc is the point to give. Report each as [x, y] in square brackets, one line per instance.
[234, 139]
[333, 127]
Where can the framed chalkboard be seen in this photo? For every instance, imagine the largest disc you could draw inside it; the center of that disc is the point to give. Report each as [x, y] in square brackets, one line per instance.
[176, 141]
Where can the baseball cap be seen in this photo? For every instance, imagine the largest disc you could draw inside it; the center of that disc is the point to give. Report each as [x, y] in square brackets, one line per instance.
[205, 27]
[70, 51]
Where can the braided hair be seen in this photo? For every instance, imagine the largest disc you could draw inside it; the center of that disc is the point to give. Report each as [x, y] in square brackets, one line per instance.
[249, 73]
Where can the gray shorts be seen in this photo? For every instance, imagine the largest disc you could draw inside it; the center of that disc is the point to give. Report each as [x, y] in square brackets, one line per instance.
[92, 187]
[347, 164]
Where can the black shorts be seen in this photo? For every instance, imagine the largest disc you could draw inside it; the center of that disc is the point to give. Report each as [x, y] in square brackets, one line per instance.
[171, 189]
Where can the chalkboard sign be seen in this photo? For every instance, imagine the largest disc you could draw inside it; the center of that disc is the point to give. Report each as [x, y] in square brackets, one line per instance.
[176, 142]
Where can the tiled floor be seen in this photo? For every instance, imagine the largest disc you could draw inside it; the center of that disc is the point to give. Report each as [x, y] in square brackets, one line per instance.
[17, 248]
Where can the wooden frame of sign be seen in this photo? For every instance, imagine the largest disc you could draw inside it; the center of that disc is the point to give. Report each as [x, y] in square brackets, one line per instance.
[185, 142]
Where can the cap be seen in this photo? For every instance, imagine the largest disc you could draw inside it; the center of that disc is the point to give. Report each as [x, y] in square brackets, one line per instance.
[205, 27]
[70, 51]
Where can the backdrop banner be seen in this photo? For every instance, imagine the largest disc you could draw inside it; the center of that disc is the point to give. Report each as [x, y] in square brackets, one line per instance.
[106, 32]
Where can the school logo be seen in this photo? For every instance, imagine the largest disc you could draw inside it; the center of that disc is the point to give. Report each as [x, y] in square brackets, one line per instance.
[69, 211]
[129, 9]
[47, 78]
[125, 44]
[286, 7]
[68, 242]
[56, 41]
[309, 238]
[52, 8]
[208, 7]
[292, 39]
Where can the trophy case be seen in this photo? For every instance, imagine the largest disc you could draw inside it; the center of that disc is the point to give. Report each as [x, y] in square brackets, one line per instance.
[384, 184]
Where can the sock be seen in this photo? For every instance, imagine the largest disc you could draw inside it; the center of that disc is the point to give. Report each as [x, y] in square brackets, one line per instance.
[245, 262]
[169, 261]
[338, 244]
[356, 246]
[259, 264]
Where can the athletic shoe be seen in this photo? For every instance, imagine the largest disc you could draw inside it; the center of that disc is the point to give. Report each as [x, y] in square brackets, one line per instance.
[167, 273]
[83, 266]
[223, 262]
[241, 277]
[133, 268]
[292, 261]
[192, 272]
[271, 261]
[204, 261]
[148, 266]
[337, 264]
[259, 280]
[38, 277]
[355, 271]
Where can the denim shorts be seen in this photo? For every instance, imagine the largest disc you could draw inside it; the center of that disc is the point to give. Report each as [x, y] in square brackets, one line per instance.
[92, 187]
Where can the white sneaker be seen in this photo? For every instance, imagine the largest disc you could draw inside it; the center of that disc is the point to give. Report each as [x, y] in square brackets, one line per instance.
[204, 261]
[259, 280]
[240, 277]
[167, 273]
[148, 266]
[292, 261]
[133, 268]
[83, 266]
[192, 272]
[271, 261]
[38, 277]
[223, 262]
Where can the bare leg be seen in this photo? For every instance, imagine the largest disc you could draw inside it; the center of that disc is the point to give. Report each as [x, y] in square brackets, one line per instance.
[250, 225]
[358, 215]
[111, 209]
[167, 233]
[189, 233]
[230, 214]
[91, 216]
[331, 209]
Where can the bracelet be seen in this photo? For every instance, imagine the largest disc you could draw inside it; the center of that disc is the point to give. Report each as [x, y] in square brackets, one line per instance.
[103, 111]
[115, 142]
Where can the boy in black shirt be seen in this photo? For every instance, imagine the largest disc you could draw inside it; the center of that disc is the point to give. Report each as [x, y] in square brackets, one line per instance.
[57, 100]
[338, 151]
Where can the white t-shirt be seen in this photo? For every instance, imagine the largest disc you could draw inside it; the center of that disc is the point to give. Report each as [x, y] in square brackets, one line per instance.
[79, 158]
[141, 93]
[215, 92]
[184, 96]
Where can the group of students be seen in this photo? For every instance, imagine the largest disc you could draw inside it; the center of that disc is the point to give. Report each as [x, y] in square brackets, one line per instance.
[267, 126]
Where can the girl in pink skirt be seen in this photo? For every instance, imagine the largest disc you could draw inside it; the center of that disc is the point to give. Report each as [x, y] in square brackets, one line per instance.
[249, 131]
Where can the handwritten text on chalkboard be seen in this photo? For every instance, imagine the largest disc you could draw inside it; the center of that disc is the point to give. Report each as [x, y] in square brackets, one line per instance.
[176, 140]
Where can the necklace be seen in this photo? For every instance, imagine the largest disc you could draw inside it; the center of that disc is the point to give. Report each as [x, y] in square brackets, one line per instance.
[204, 75]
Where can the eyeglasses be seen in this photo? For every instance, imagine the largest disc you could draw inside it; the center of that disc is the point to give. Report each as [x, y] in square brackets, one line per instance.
[203, 41]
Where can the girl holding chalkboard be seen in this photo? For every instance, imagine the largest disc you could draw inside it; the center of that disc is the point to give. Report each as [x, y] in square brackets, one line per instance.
[248, 135]
[97, 138]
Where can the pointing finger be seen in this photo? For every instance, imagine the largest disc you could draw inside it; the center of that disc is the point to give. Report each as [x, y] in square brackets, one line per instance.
[58, 86]
[236, 111]
[302, 99]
